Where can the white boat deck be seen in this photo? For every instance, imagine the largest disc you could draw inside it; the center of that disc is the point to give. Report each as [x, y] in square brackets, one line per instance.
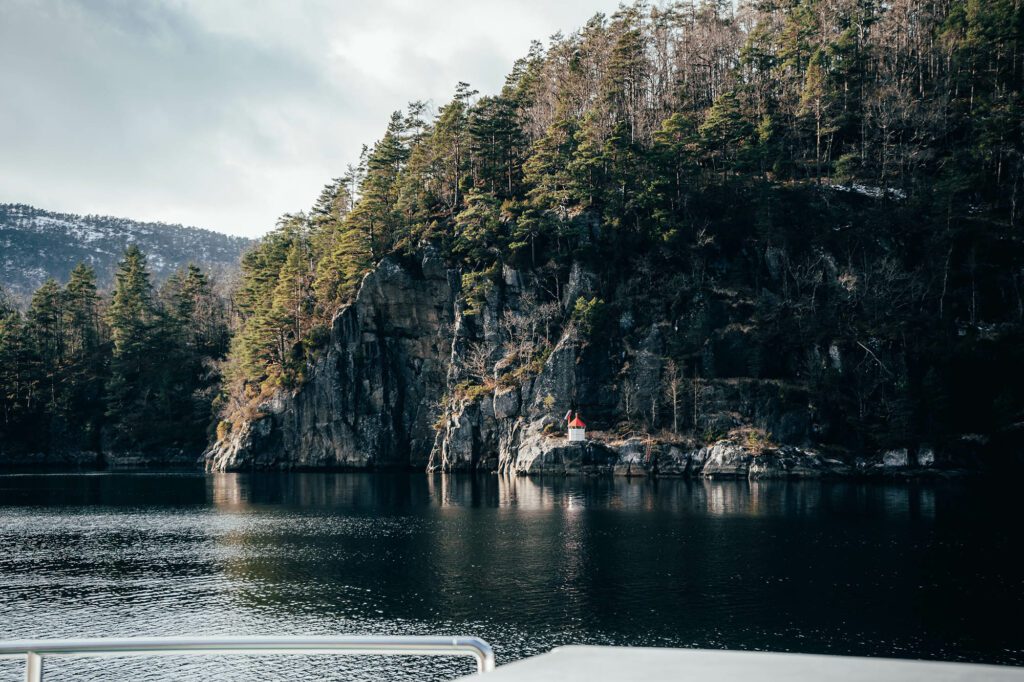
[601, 663]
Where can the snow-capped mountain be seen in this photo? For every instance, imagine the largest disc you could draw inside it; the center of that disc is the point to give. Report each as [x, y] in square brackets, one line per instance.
[36, 244]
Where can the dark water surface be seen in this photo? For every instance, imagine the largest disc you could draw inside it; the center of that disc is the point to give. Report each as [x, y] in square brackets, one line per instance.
[918, 569]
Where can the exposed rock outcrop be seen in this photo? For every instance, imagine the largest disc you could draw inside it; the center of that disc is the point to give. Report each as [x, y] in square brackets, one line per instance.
[369, 397]
[636, 457]
[394, 388]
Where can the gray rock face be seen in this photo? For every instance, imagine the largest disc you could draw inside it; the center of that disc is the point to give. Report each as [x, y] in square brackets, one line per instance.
[393, 387]
[368, 401]
[540, 454]
[672, 460]
[788, 461]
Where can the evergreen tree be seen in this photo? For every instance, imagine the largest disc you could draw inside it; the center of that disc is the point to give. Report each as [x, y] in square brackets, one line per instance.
[18, 382]
[377, 213]
[85, 358]
[192, 333]
[726, 132]
[132, 319]
[340, 271]
[45, 320]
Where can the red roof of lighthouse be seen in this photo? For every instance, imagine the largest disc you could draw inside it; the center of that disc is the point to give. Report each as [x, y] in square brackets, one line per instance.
[577, 423]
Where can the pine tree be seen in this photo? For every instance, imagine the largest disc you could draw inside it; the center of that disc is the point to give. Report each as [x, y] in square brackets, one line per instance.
[132, 319]
[726, 131]
[260, 345]
[479, 235]
[675, 150]
[85, 359]
[817, 102]
[377, 213]
[342, 252]
[546, 171]
[290, 309]
[18, 382]
[192, 335]
[339, 273]
[45, 320]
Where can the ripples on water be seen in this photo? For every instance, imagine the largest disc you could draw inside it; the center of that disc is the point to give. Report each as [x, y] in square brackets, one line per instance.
[910, 569]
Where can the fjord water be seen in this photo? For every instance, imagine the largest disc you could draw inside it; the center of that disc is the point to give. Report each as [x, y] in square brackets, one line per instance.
[907, 569]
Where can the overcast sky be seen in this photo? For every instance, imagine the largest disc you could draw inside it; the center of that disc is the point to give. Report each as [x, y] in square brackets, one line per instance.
[226, 113]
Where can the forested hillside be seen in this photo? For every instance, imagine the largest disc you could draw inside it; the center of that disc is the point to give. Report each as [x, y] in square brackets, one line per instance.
[83, 374]
[36, 244]
[817, 195]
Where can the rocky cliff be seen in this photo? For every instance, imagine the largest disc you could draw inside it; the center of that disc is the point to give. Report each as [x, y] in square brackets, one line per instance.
[414, 376]
[369, 400]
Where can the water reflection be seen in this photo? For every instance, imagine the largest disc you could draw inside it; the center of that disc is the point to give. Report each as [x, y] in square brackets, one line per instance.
[608, 555]
[739, 498]
[905, 569]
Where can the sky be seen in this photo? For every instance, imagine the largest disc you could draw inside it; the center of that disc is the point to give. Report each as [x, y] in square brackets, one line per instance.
[224, 114]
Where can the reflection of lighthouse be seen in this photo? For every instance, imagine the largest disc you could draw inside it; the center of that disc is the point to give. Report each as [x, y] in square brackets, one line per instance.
[577, 429]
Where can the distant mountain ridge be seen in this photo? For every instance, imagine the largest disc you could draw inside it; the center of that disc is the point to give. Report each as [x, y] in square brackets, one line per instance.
[36, 244]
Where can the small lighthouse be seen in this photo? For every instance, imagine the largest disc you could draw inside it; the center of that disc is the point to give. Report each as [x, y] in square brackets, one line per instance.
[577, 429]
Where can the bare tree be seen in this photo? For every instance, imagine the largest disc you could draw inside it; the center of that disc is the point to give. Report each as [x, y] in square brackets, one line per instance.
[696, 398]
[628, 390]
[477, 362]
[519, 341]
[528, 329]
[672, 386]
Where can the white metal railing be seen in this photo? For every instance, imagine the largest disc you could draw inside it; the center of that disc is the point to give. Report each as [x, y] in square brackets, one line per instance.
[35, 650]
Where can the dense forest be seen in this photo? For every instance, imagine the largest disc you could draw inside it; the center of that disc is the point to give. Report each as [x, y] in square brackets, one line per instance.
[823, 193]
[132, 372]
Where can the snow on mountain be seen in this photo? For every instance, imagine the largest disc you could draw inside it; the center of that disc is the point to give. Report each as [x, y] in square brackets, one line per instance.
[36, 244]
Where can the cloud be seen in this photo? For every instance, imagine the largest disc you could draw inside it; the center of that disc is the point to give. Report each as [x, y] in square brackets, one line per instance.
[226, 114]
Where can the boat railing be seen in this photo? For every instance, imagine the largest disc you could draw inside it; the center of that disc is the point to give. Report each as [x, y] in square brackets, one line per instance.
[34, 651]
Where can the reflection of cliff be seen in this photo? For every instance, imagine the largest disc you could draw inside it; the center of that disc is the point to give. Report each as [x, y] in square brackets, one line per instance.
[715, 497]
[364, 493]
[226, 493]
[323, 545]
[364, 552]
[352, 491]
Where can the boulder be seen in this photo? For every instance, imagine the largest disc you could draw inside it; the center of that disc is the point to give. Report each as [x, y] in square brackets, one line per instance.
[672, 460]
[724, 459]
[895, 458]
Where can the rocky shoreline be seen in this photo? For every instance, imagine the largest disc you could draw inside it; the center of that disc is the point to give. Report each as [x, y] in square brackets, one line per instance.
[723, 459]
[631, 458]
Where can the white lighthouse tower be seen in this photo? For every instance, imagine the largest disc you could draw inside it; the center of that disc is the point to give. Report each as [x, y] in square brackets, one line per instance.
[577, 429]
